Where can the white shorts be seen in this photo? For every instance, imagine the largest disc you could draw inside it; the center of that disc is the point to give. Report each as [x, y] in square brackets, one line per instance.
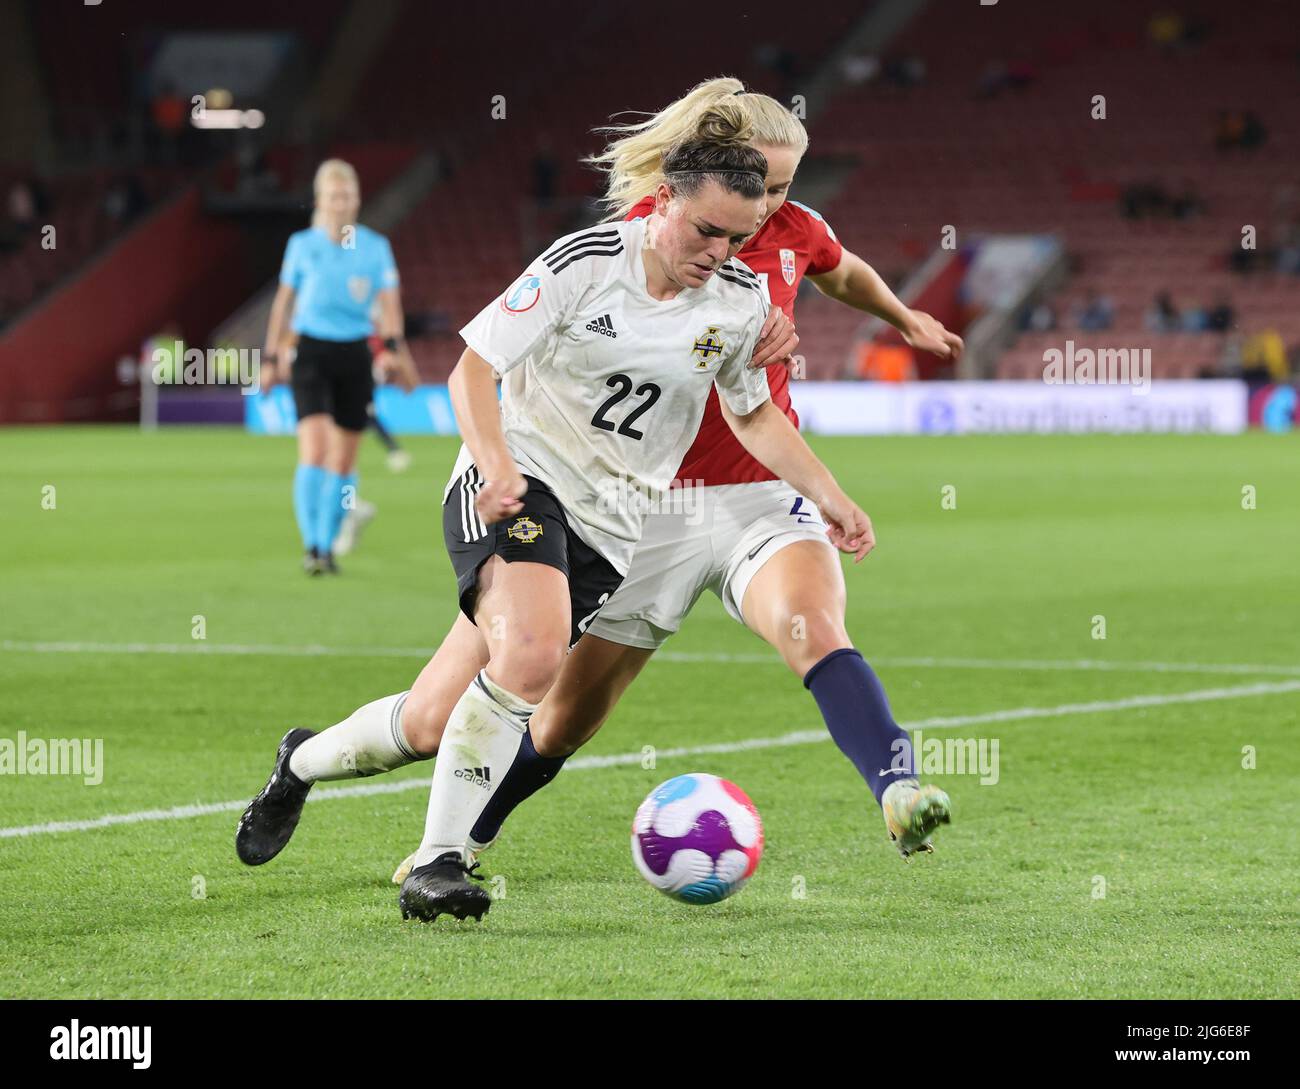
[713, 538]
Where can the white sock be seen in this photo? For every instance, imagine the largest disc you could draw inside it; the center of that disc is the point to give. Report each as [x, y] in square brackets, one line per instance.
[368, 741]
[478, 747]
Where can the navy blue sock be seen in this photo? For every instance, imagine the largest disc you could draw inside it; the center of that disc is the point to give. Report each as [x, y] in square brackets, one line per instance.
[525, 777]
[853, 703]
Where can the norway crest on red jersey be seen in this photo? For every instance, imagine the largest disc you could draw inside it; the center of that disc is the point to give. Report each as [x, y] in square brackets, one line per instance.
[787, 265]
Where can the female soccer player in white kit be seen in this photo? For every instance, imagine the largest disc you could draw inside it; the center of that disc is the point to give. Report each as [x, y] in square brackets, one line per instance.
[541, 517]
[749, 537]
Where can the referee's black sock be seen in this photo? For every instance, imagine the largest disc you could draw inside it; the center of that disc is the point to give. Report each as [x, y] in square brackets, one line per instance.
[385, 436]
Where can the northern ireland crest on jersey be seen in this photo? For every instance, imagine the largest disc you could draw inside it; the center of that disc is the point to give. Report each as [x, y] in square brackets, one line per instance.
[359, 288]
[787, 266]
[708, 347]
[524, 529]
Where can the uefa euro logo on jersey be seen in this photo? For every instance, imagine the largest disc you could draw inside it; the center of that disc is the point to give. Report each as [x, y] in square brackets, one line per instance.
[524, 529]
[359, 288]
[708, 347]
[787, 265]
[523, 295]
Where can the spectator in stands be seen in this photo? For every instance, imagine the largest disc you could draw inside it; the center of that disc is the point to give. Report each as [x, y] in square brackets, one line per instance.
[1221, 316]
[858, 70]
[1096, 314]
[1287, 259]
[1194, 319]
[1040, 318]
[1187, 203]
[1253, 133]
[1141, 199]
[905, 71]
[993, 80]
[17, 221]
[1263, 357]
[1021, 74]
[999, 76]
[21, 207]
[1162, 315]
[1239, 128]
[1228, 129]
[257, 178]
[125, 199]
[1165, 29]
[780, 61]
[26, 207]
[1151, 198]
[1172, 31]
[169, 112]
[545, 171]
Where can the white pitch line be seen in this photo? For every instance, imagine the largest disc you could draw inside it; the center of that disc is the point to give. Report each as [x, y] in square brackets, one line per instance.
[1088, 664]
[312, 650]
[587, 763]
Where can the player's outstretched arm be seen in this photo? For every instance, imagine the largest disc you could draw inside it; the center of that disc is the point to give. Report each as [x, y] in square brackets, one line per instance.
[769, 436]
[474, 399]
[857, 284]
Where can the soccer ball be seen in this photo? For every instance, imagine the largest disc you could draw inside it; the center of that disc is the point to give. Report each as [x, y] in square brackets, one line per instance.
[697, 838]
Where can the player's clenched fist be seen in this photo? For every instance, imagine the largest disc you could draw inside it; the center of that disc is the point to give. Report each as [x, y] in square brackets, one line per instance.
[501, 498]
[928, 334]
[850, 528]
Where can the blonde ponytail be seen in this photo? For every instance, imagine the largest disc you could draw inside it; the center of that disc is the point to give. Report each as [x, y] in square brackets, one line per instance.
[717, 110]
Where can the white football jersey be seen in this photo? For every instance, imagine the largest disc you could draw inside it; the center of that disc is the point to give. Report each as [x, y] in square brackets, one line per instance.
[604, 387]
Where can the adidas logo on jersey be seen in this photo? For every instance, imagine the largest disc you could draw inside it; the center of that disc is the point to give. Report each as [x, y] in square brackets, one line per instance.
[602, 325]
[480, 777]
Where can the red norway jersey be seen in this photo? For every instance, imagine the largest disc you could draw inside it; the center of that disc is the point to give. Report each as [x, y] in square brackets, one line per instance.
[794, 241]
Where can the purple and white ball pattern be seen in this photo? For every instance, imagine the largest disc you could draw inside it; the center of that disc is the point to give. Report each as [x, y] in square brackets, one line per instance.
[697, 838]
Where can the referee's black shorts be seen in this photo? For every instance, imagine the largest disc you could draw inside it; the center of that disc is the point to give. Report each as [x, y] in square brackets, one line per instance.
[333, 376]
[540, 533]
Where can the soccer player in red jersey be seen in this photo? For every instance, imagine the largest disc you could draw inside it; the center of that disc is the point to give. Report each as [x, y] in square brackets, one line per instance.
[743, 533]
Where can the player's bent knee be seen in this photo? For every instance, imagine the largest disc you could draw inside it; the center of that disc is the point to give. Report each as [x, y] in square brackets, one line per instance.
[528, 671]
[423, 723]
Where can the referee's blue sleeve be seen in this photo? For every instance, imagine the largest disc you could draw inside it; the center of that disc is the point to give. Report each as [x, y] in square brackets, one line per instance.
[387, 267]
[291, 269]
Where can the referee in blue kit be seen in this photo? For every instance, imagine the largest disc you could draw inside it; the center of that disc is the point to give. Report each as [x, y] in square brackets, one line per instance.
[333, 274]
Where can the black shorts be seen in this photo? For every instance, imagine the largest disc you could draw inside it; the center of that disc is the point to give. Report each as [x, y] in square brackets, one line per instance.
[540, 533]
[333, 376]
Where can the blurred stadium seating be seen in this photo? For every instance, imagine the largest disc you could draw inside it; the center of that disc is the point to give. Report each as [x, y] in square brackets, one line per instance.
[1033, 160]
[988, 128]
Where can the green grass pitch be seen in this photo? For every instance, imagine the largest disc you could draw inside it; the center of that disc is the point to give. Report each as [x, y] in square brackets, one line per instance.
[964, 611]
